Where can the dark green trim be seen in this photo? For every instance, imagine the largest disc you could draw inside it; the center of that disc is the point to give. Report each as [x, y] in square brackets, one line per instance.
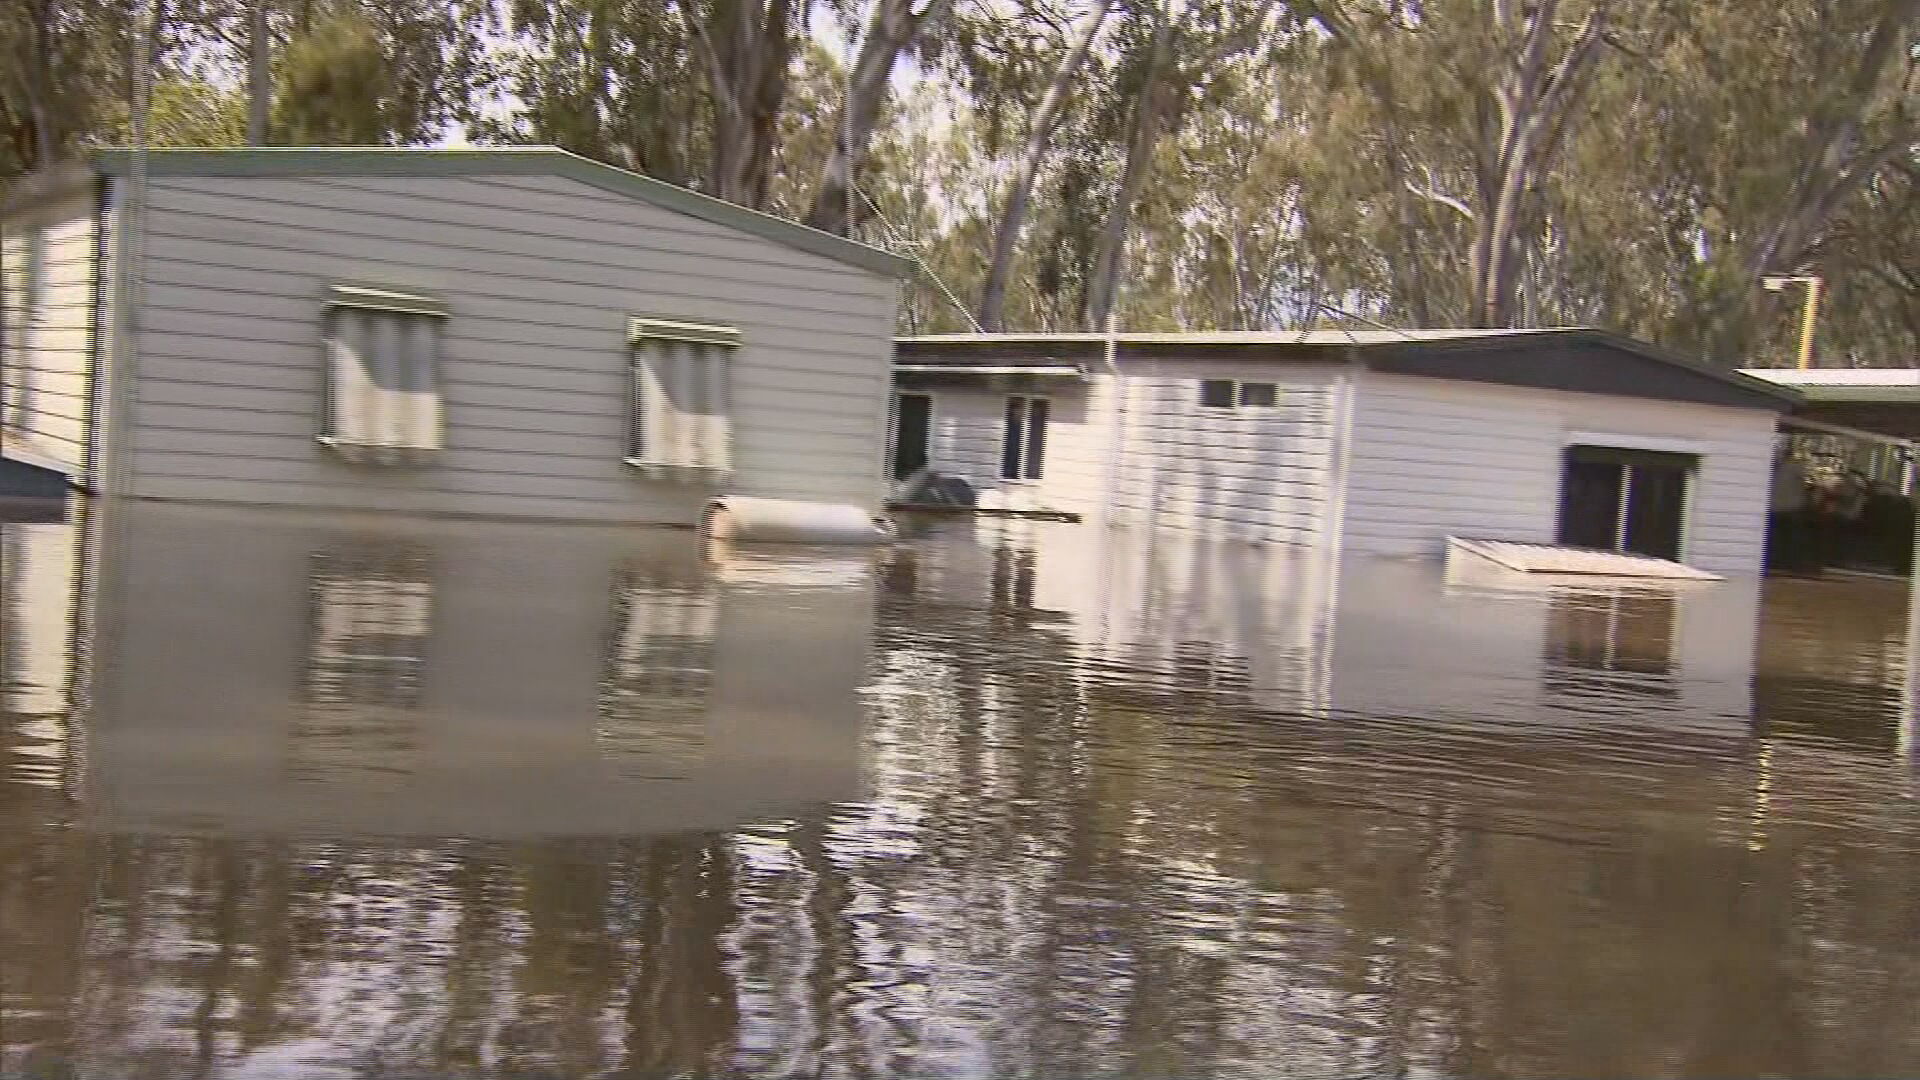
[377, 298]
[643, 328]
[501, 161]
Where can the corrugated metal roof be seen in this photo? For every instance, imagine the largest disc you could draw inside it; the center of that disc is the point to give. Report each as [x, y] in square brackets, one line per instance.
[429, 161]
[1845, 384]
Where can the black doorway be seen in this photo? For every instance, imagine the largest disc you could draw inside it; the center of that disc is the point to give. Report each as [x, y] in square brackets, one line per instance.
[1625, 500]
[912, 428]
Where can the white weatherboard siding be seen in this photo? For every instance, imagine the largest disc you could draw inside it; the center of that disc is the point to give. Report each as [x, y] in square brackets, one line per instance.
[968, 433]
[1433, 458]
[964, 440]
[47, 265]
[1248, 474]
[541, 275]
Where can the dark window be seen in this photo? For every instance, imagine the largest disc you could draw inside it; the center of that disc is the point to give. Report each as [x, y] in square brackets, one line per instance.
[1012, 438]
[912, 427]
[1024, 444]
[1037, 409]
[1259, 395]
[1625, 500]
[1216, 394]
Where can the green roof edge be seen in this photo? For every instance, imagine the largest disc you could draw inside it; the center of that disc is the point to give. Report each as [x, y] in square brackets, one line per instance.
[499, 161]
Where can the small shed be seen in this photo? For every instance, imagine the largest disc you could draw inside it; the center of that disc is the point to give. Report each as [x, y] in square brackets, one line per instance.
[1379, 442]
[514, 332]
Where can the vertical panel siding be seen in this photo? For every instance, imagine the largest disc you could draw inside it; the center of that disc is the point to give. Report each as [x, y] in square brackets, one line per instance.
[48, 293]
[1433, 458]
[541, 275]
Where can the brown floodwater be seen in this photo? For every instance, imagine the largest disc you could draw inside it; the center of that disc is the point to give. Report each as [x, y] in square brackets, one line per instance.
[304, 796]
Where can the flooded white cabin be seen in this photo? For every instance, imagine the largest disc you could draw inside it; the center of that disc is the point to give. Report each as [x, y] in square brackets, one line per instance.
[409, 676]
[1375, 442]
[513, 332]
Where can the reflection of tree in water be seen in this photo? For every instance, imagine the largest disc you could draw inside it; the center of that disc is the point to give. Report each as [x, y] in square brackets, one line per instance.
[656, 689]
[370, 620]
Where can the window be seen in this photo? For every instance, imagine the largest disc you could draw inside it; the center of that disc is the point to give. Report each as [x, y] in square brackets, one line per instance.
[912, 433]
[1618, 499]
[1259, 395]
[679, 422]
[1231, 393]
[382, 399]
[1024, 446]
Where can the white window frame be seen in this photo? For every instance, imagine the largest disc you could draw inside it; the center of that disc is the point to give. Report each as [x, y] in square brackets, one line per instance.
[398, 305]
[676, 454]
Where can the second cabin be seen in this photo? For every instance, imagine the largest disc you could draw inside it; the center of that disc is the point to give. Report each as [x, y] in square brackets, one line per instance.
[1385, 442]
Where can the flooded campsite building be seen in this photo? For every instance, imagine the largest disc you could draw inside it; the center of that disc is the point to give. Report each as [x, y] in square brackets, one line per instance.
[1379, 442]
[501, 331]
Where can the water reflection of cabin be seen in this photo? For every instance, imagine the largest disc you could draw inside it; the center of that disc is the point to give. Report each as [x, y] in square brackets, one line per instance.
[1388, 440]
[420, 677]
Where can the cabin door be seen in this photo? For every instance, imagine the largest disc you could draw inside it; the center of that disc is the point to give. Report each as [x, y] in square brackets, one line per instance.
[1625, 500]
[912, 430]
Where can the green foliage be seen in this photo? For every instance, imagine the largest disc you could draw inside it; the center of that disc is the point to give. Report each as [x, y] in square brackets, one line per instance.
[1239, 164]
[333, 88]
[185, 111]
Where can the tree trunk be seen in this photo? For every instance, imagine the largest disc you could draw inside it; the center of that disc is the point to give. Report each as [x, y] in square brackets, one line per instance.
[1110, 249]
[1013, 215]
[748, 55]
[892, 29]
[259, 73]
[1829, 175]
[1533, 100]
[39, 87]
[1835, 168]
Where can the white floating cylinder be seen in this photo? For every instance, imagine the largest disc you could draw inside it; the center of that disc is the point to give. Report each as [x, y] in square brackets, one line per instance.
[743, 519]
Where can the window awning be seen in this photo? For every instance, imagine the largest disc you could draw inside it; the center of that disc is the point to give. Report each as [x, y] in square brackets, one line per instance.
[1063, 371]
[373, 298]
[642, 328]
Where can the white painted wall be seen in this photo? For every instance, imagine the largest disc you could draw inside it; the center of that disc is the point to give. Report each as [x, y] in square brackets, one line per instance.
[1433, 458]
[541, 274]
[1238, 474]
[1241, 474]
[47, 289]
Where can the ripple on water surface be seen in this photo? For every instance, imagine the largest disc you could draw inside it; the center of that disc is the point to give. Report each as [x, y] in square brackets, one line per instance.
[295, 795]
